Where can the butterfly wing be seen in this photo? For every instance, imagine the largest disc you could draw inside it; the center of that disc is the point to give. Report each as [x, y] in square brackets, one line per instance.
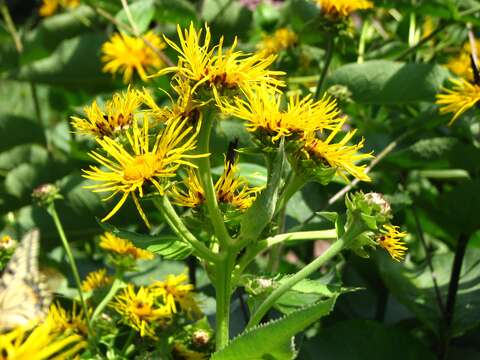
[23, 295]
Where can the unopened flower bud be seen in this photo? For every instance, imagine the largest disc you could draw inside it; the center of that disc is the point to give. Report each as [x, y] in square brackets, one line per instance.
[340, 92]
[379, 199]
[201, 337]
[45, 194]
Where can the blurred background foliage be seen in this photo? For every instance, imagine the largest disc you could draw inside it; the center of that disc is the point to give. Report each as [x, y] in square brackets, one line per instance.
[392, 60]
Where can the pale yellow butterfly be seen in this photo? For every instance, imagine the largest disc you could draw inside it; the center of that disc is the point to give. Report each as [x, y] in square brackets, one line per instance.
[23, 295]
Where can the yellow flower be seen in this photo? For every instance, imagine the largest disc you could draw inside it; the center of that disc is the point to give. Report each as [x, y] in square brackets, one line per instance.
[262, 111]
[458, 100]
[175, 289]
[139, 311]
[50, 7]
[193, 196]
[339, 155]
[96, 280]
[119, 114]
[128, 171]
[41, 343]
[233, 190]
[217, 69]
[6, 242]
[66, 322]
[229, 189]
[391, 241]
[343, 7]
[281, 39]
[461, 64]
[124, 53]
[120, 246]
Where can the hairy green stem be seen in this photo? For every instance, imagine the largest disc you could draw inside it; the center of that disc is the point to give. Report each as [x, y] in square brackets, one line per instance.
[205, 177]
[223, 287]
[355, 228]
[179, 228]
[117, 284]
[328, 59]
[58, 224]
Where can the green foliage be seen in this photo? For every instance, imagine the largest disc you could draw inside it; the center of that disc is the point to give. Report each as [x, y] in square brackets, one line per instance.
[252, 344]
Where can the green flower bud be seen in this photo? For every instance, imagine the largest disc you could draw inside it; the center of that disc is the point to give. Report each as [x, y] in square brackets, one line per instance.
[46, 194]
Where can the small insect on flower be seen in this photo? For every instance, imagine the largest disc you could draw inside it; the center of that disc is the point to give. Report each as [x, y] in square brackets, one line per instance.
[39, 343]
[68, 322]
[96, 280]
[128, 54]
[123, 247]
[174, 290]
[139, 311]
[217, 69]
[339, 156]
[462, 97]
[118, 115]
[262, 110]
[281, 39]
[131, 167]
[391, 241]
[343, 8]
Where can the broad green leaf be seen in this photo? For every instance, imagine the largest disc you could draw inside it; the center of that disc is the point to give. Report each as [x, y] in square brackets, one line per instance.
[180, 12]
[142, 14]
[274, 339]
[259, 215]
[18, 130]
[388, 82]
[412, 285]
[227, 18]
[167, 246]
[364, 339]
[75, 64]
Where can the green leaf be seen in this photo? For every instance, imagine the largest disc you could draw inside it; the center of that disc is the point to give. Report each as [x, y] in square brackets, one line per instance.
[273, 340]
[18, 130]
[388, 82]
[364, 339]
[142, 14]
[167, 246]
[412, 285]
[259, 215]
[179, 12]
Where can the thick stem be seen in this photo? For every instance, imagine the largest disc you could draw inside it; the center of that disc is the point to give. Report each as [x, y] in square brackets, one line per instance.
[328, 59]
[205, 177]
[58, 224]
[179, 228]
[223, 286]
[117, 284]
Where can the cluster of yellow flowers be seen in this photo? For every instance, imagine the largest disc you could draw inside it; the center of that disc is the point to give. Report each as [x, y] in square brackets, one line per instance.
[207, 77]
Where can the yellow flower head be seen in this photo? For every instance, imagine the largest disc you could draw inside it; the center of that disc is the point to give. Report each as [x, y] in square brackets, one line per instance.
[7, 243]
[391, 241]
[217, 69]
[50, 7]
[461, 64]
[339, 156]
[139, 311]
[192, 196]
[124, 53]
[234, 190]
[175, 289]
[262, 110]
[343, 8]
[40, 343]
[130, 168]
[118, 114]
[96, 280]
[458, 100]
[281, 39]
[67, 322]
[123, 247]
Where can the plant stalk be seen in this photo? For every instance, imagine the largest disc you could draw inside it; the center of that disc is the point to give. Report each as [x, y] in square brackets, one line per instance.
[328, 59]
[117, 284]
[58, 224]
[223, 289]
